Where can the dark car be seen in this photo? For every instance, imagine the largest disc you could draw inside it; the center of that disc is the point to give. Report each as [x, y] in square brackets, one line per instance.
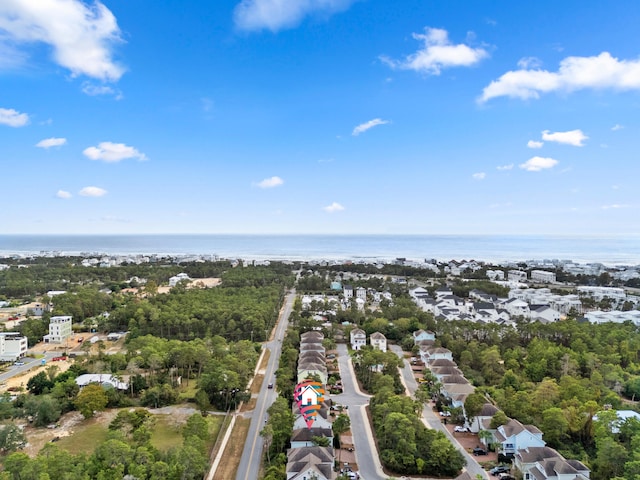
[479, 451]
[270, 385]
[499, 469]
[506, 476]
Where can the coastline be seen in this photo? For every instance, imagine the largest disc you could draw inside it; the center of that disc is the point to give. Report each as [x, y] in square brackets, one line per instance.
[496, 249]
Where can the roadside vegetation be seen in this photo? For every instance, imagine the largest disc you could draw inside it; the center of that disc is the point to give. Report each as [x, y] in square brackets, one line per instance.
[194, 345]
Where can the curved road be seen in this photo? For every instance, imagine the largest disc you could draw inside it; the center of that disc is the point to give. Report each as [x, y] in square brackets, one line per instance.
[251, 458]
[431, 420]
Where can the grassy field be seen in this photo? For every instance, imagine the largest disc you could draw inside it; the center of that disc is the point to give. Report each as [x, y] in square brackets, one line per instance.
[167, 432]
[85, 440]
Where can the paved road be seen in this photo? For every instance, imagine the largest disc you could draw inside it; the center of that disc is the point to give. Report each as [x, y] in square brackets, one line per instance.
[29, 363]
[432, 420]
[251, 458]
[365, 450]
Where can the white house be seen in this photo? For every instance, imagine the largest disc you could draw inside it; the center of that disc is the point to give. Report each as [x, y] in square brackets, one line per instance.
[59, 329]
[517, 276]
[361, 293]
[517, 308]
[514, 436]
[12, 346]
[358, 338]
[543, 276]
[104, 379]
[544, 314]
[348, 292]
[173, 281]
[379, 341]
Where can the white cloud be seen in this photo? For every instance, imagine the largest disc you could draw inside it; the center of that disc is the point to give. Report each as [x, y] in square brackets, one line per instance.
[479, 176]
[363, 127]
[505, 167]
[51, 142]
[113, 152]
[96, 90]
[81, 36]
[534, 144]
[572, 137]
[617, 127]
[529, 62]
[438, 53]
[276, 15]
[270, 182]
[92, 192]
[615, 206]
[334, 207]
[575, 73]
[63, 194]
[535, 164]
[13, 118]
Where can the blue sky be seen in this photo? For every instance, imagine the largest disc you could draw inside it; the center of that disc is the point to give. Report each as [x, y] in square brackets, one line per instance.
[320, 116]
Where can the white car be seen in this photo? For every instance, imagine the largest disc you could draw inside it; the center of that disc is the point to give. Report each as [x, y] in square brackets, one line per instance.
[458, 428]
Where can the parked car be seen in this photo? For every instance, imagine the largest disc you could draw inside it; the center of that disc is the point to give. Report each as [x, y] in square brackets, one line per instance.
[445, 414]
[499, 469]
[506, 476]
[459, 428]
[479, 451]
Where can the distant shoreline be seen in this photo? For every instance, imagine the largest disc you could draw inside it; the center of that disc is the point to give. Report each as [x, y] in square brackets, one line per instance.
[494, 249]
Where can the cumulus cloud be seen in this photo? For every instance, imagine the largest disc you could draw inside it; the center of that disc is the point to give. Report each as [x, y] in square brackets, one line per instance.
[479, 176]
[572, 137]
[13, 118]
[437, 53]
[92, 192]
[334, 207]
[617, 127]
[51, 142]
[363, 127]
[534, 144]
[575, 73]
[535, 164]
[270, 182]
[63, 194]
[276, 15]
[505, 167]
[113, 152]
[81, 36]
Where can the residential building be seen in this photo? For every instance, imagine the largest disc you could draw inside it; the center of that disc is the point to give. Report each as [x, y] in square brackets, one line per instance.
[543, 276]
[173, 281]
[358, 338]
[422, 335]
[59, 329]
[514, 436]
[12, 346]
[105, 379]
[545, 463]
[347, 292]
[517, 276]
[379, 341]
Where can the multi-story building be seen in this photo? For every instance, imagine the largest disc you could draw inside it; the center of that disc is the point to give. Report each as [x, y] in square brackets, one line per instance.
[543, 276]
[59, 329]
[12, 346]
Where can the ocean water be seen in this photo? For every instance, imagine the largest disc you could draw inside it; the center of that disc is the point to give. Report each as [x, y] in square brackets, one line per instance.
[618, 250]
